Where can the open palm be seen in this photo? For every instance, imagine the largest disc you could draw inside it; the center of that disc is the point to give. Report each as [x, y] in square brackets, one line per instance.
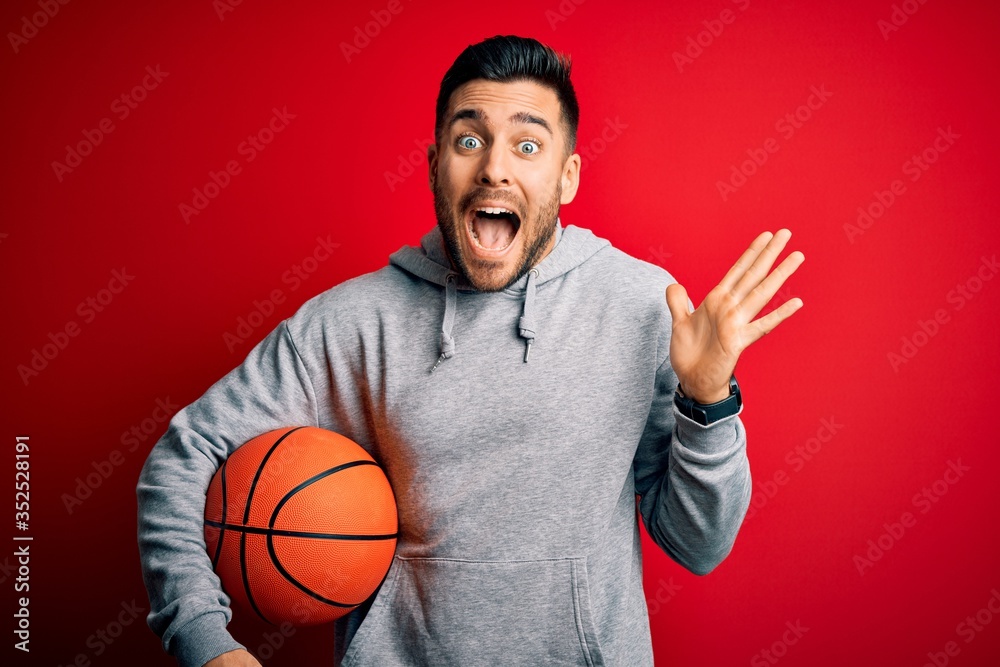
[706, 344]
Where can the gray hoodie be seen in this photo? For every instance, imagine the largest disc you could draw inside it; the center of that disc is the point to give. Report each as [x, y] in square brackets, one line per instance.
[517, 429]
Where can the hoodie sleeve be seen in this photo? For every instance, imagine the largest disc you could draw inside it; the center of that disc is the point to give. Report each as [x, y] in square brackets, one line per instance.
[694, 480]
[188, 609]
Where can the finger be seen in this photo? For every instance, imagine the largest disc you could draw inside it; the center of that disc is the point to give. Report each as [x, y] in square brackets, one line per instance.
[760, 295]
[745, 261]
[677, 302]
[757, 329]
[759, 269]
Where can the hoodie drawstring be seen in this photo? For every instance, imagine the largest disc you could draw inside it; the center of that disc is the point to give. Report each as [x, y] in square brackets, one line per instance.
[526, 325]
[447, 342]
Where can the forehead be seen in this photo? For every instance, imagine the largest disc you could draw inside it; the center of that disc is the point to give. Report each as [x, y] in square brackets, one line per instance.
[499, 101]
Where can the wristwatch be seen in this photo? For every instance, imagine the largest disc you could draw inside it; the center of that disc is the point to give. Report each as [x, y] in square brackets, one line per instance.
[713, 412]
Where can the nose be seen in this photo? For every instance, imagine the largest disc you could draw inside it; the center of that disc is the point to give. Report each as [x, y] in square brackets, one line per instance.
[494, 168]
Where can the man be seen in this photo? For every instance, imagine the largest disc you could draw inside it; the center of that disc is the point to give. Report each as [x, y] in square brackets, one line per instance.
[516, 379]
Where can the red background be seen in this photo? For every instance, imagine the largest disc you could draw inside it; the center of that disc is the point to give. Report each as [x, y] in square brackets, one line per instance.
[651, 188]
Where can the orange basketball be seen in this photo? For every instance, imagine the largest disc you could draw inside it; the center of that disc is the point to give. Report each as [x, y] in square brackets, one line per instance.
[301, 525]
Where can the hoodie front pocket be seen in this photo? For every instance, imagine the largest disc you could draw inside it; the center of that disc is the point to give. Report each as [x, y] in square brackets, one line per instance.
[444, 611]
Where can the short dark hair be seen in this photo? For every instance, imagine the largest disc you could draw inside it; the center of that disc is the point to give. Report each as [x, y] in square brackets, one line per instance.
[507, 58]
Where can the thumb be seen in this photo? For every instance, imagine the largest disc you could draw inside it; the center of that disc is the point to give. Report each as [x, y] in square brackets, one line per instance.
[677, 301]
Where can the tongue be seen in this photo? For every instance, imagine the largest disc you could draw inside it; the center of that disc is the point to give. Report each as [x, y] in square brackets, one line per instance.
[493, 232]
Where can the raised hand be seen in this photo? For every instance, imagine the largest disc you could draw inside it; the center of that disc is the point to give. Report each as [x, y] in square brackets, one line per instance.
[705, 344]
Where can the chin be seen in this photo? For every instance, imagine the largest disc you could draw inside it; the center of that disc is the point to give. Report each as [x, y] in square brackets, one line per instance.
[492, 281]
[487, 269]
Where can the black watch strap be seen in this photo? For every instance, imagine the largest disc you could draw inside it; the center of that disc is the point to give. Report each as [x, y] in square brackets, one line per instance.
[712, 412]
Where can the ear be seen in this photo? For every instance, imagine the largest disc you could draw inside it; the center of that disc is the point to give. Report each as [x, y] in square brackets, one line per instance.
[570, 178]
[432, 164]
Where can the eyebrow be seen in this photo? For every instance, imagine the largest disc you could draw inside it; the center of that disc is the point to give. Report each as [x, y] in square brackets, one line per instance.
[520, 118]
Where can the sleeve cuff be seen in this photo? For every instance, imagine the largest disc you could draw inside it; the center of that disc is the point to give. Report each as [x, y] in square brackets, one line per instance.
[717, 437]
[202, 639]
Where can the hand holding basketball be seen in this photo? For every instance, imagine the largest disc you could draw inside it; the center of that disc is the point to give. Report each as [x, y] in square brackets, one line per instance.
[237, 658]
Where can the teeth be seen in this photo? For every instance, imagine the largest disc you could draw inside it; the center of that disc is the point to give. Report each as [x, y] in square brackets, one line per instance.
[493, 210]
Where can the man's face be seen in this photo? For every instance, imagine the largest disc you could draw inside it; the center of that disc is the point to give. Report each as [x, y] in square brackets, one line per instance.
[499, 175]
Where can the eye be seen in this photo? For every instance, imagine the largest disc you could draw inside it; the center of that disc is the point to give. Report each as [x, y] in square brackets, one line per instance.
[528, 147]
[468, 142]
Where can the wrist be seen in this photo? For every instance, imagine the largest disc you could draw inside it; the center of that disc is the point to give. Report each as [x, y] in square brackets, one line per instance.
[203, 638]
[705, 397]
[708, 413]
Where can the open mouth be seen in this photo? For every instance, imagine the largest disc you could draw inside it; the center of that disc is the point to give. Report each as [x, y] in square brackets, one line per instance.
[493, 228]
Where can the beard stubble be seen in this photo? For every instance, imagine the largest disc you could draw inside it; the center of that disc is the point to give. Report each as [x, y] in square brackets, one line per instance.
[542, 227]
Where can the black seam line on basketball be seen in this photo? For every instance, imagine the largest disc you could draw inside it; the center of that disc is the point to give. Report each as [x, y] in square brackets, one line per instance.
[246, 577]
[260, 469]
[278, 532]
[295, 582]
[222, 526]
[312, 480]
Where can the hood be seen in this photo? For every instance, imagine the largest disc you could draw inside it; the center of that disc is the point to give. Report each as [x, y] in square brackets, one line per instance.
[573, 246]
